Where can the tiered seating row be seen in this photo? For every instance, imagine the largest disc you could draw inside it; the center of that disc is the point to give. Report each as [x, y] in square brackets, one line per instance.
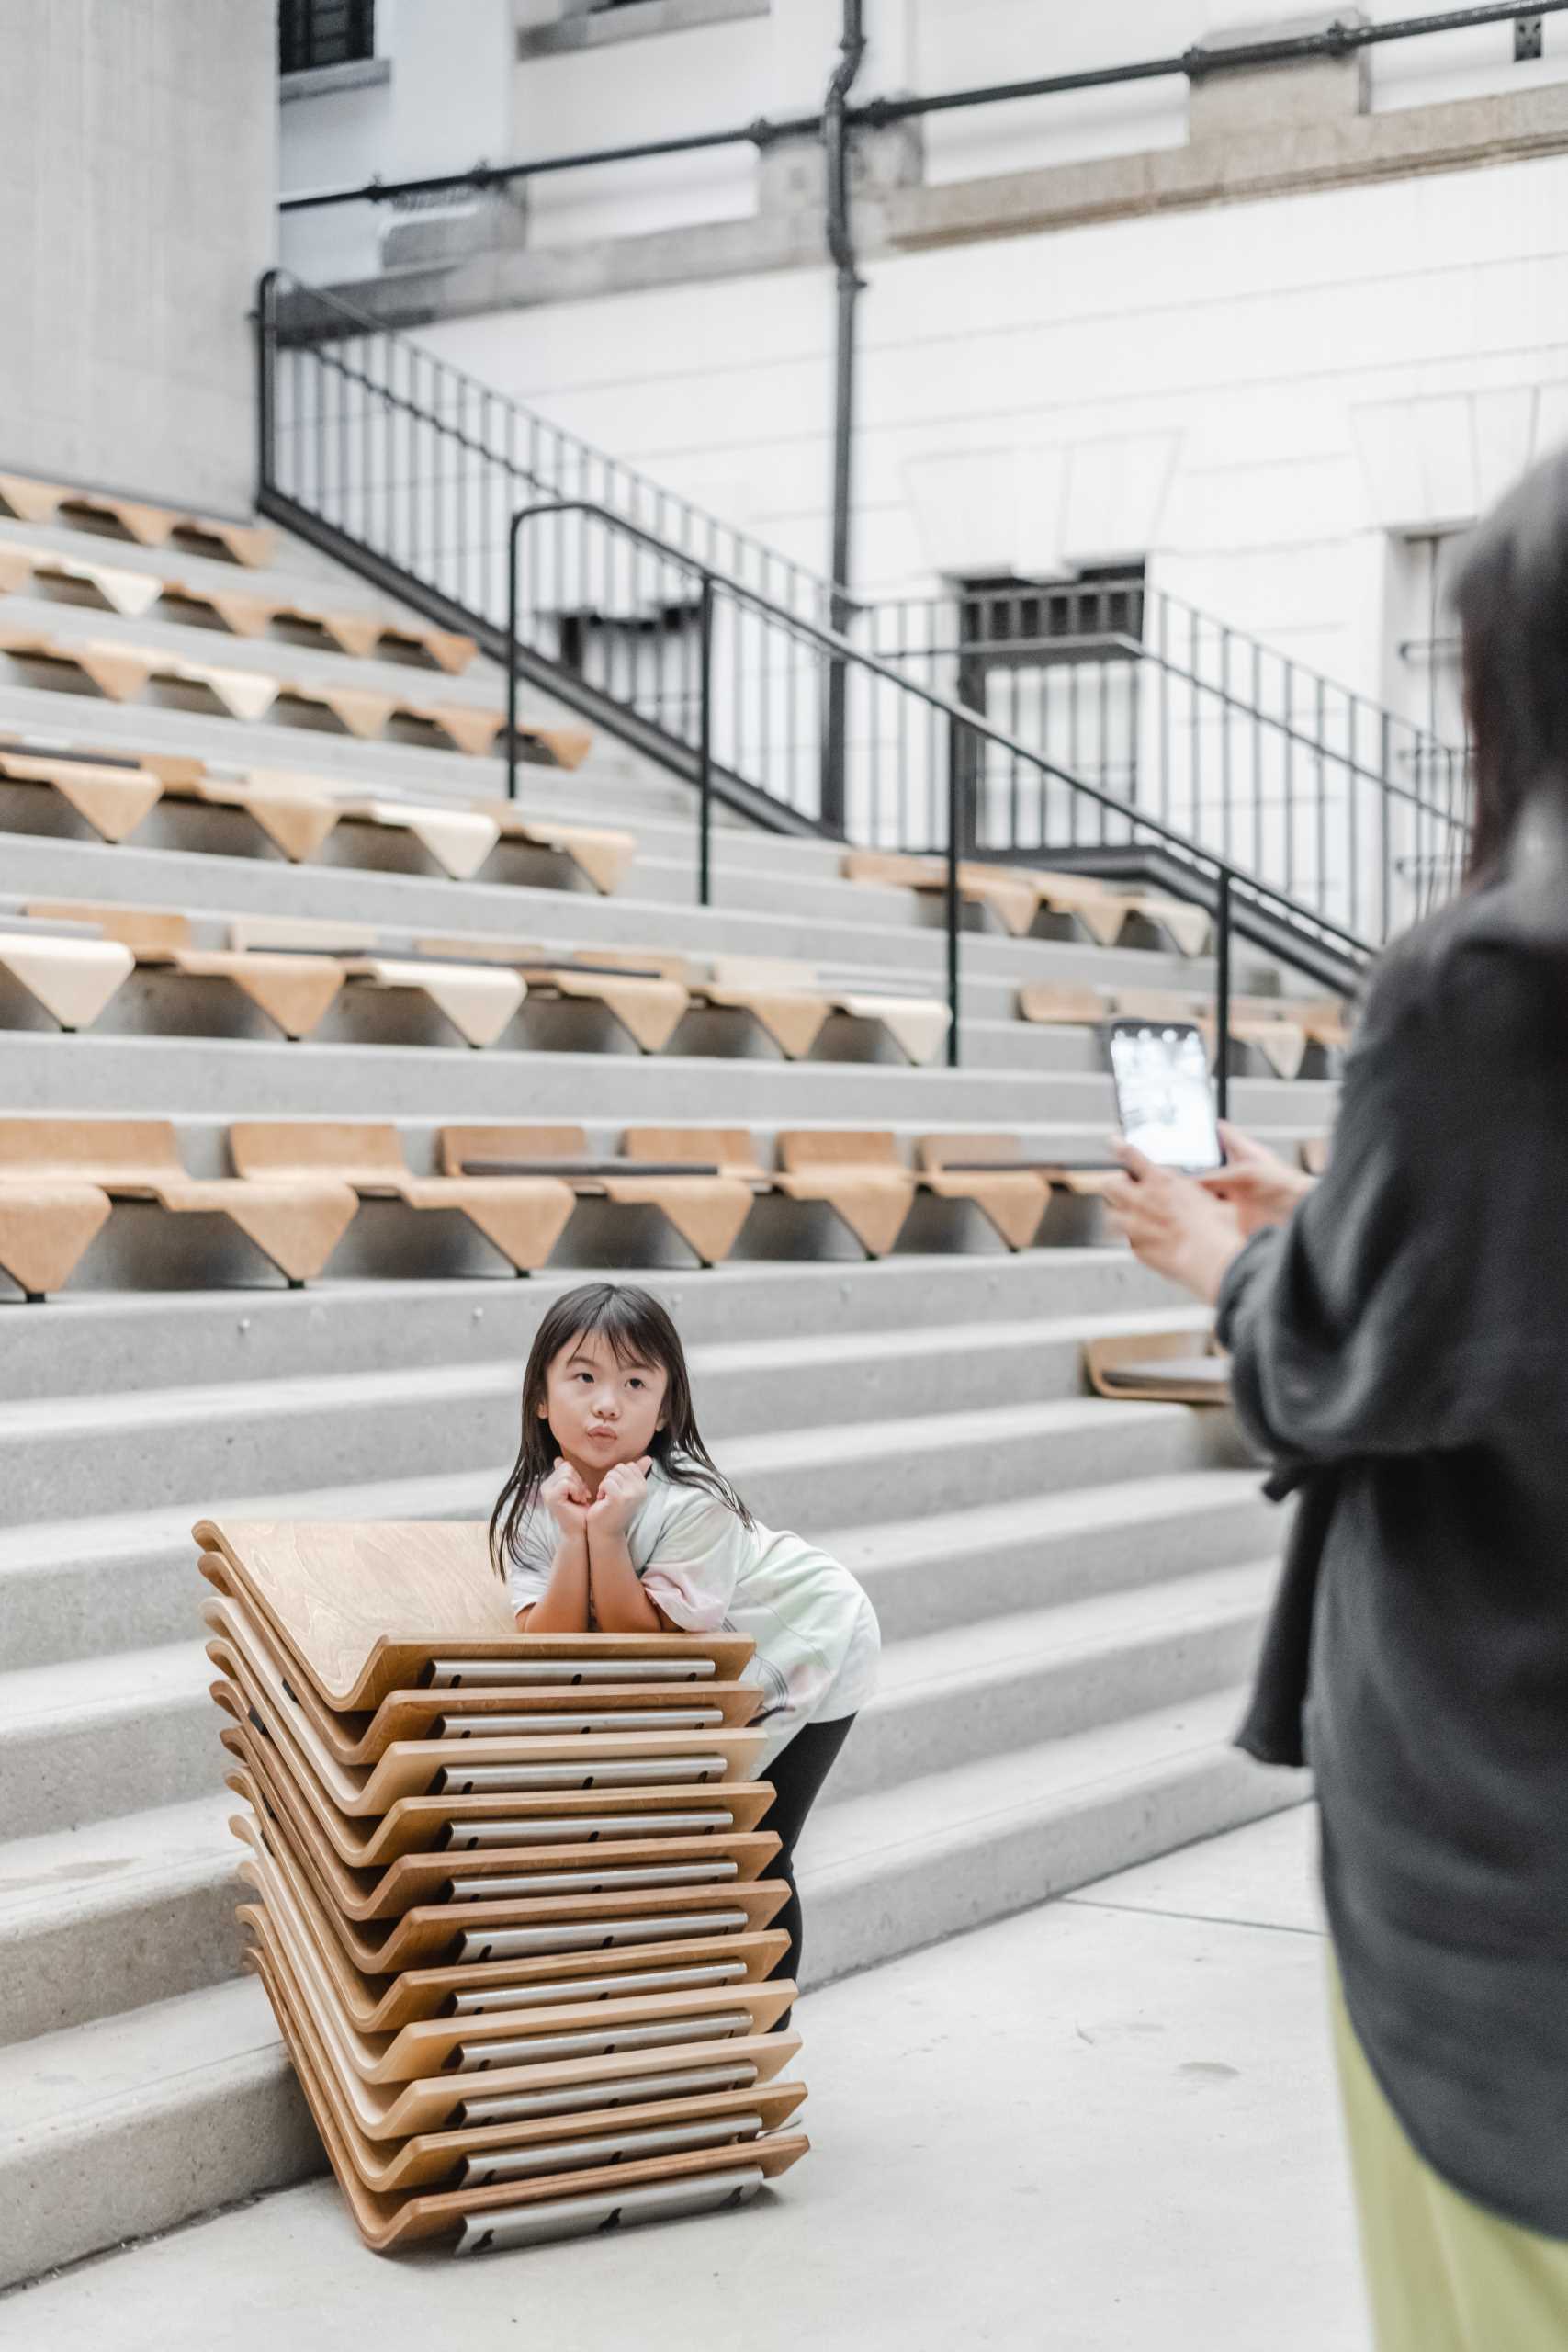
[510, 1902]
[298, 1184]
[1016, 897]
[242, 613]
[1279, 1029]
[73, 957]
[32, 501]
[121, 670]
[299, 814]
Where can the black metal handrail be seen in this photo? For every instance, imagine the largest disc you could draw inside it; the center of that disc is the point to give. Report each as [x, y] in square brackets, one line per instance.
[1187, 868]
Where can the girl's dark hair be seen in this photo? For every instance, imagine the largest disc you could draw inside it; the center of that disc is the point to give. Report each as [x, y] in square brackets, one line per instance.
[638, 1330]
[1511, 594]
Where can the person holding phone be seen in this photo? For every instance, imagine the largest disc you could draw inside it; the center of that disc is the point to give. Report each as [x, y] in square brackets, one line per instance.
[1399, 1347]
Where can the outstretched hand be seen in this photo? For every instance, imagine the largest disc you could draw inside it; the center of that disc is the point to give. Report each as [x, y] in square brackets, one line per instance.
[620, 1497]
[1173, 1223]
[1255, 1182]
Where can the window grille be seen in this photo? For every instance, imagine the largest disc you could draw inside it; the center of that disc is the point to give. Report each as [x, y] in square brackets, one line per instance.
[324, 32]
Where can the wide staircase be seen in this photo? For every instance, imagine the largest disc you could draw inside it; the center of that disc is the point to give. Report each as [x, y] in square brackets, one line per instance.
[1070, 1588]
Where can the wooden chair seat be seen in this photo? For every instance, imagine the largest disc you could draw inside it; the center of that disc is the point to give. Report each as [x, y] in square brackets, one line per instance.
[73, 979]
[46, 1225]
[295, 992]
[793, 1003]
[706, 1211]
[150, 527]
[987, 1159]
[296, 1220]
[649, 1009]
[857, 1173]
[379, 2004]
[385, 2221]
[1159, 1367]
[522, 1216]
[479, 1002]
[111, 798]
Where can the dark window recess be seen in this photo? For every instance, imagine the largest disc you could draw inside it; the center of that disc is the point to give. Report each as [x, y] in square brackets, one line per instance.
[1055, 664]
[324, 32]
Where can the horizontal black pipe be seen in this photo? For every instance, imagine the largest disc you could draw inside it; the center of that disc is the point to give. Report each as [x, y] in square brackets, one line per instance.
[1335, 40]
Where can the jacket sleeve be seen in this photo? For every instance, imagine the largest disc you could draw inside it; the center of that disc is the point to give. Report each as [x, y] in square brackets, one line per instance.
[1394, 1315]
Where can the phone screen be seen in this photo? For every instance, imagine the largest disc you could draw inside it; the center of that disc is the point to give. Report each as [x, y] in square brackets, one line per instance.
[1165, 1098]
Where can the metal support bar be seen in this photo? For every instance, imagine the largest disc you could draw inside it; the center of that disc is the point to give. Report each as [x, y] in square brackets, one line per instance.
[705, 742]
[840, 246]
[1223, 994]
[1337, 40]
[952, 906]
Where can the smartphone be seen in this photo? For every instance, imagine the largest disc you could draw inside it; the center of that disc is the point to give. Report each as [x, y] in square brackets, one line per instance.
[1165, 1096]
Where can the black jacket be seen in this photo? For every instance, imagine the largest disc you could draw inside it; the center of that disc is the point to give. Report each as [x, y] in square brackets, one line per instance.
[1401, 1351]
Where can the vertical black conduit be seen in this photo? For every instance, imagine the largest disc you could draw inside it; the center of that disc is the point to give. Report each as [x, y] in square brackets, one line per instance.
[841, 248]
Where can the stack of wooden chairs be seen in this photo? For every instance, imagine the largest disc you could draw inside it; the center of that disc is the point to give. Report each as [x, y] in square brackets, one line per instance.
[507, 1893]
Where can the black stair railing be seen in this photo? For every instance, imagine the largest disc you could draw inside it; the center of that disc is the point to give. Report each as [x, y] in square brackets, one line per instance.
[675, 638]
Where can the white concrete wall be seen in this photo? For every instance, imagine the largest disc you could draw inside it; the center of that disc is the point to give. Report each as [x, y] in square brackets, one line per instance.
[138, 144]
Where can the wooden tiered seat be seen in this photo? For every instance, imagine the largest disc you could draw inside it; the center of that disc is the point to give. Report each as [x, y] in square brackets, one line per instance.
[1280, 1028]
[70, 976]
[295, 991]
[1159, 1367]
[792, 1002]
[244, 613]
[1016, 895]
[121, 671]
[525, 2012]
[648, 1003]
[477, 1000]
[524, 1216]
[110, 796]
[706, 1204]
[150, 527]
[296, 1219]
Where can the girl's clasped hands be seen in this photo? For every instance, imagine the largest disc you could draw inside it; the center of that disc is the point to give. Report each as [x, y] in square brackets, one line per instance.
[578, 1511]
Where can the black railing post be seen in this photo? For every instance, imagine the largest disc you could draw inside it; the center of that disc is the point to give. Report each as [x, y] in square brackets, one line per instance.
[954, 797]
[1223, 994]
[512, 537]
[266, 386]
[705, 744]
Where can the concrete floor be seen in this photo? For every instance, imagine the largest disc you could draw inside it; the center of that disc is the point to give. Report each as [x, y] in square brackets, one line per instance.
[1103, 2126]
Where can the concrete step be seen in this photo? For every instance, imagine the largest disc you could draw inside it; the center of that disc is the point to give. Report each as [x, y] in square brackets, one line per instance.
[183, 1443]
[832, 923]
[995, 1684]
[883, 1874]
[134, 2123]
[110, 1916]
[125, 1910]
[213, 1079]
[119, 1342]
[87, 1738]
[959, 1568]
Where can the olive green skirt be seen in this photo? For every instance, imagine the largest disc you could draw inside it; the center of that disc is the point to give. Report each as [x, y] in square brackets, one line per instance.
[1443, 2275]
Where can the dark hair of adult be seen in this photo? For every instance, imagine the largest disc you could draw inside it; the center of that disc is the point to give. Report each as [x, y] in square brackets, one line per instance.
[1511, 594]
[637, 1330]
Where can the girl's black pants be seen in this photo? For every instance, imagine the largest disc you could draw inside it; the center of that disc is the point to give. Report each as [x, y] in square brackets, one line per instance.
[798, 1773]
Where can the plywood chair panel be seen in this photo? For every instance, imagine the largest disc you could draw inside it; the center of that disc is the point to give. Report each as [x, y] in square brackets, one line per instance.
[1074, 1008]
[431, 2106]
[112, 800]
[296, 1223]
[364, 1608]
[74, 980]
[384, 1934]
[707, 1212]
[379, 2004]
[432, 2045]
[388, 2164]
[45, 1229]
[859, 1174]
[1164, 1367]
[417, 1715]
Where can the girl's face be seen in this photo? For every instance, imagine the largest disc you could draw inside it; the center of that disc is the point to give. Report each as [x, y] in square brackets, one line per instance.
[601, 1411]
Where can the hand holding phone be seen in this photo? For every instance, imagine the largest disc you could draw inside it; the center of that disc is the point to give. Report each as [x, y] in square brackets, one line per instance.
[1165, 1096]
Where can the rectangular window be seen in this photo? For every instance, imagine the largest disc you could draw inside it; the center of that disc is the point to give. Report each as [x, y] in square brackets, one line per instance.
[312, 33]
[1055, 664]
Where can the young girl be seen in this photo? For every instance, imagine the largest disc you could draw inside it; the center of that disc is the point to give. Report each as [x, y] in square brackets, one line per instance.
[616, 1520]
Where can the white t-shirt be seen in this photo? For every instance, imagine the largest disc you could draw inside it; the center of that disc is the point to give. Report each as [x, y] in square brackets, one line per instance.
[815, 1629]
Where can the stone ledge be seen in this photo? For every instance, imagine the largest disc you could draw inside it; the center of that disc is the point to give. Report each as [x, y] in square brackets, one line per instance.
[597, 28]
[326, 80]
